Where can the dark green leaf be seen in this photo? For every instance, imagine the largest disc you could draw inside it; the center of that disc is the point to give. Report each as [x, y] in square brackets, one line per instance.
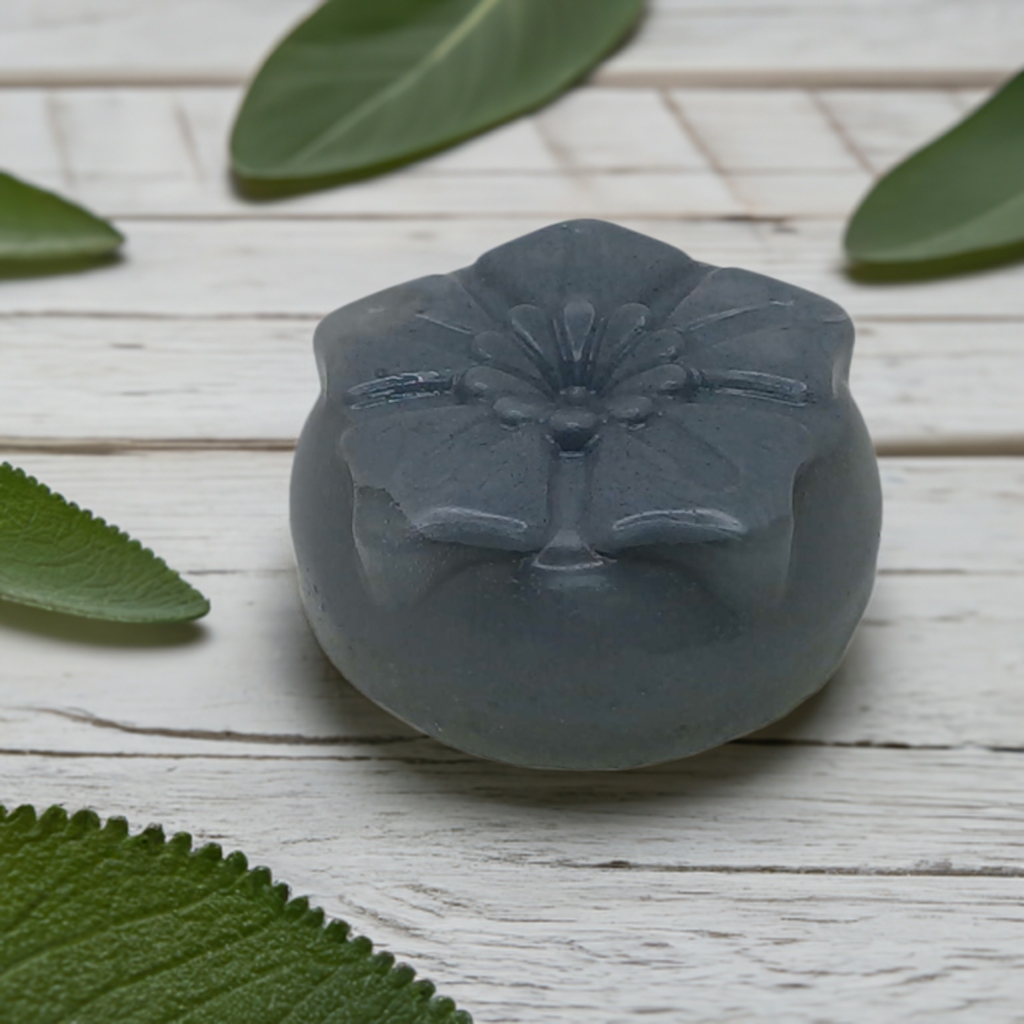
[366, 83]
[963, 193]
[57, 556]
[38, 225]
[99, 927]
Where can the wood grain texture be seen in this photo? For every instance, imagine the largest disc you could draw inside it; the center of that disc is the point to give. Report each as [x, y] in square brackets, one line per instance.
[682, 42]
[822, 42]
[945, 610]
[928, 385]
[797, 153]
[666, 893]
[306, 268]
[860, 860]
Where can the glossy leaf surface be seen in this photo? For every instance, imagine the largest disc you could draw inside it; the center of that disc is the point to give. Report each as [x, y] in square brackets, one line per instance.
[38, 225]
[56, 556]
[962, 194]
[97, 926]
[366, 83]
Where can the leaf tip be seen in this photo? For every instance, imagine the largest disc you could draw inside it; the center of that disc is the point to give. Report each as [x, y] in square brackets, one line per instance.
[137, 585]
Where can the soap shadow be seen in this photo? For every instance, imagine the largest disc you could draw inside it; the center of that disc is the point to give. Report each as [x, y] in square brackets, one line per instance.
[73, 629]
[712, 776]
[924, 270]
[19, 270]
[763, 755]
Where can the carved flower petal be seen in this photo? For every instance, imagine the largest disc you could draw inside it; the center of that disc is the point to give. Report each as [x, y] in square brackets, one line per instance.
[658, 468]
[767, 444]
[649, 350]
[606, 265]
[534, 332]
[702, 486]
[429, 323]
[456, 473]
[503, 351]
[666, 381]
[736, 320]
[488, 383]
[400, 565]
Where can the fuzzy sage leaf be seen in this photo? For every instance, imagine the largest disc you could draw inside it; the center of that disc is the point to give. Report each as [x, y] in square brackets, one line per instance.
[962, 194]
[56, 556]
[362, 84]
[98, 926]
[36, 225]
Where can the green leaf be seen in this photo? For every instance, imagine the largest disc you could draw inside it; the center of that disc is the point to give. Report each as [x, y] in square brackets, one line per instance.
[962, 194]
[363, 84]
[99, 927]
[57, 556]
[38, 225]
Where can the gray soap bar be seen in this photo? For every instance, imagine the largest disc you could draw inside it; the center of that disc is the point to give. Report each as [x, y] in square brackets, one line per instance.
[587, 503]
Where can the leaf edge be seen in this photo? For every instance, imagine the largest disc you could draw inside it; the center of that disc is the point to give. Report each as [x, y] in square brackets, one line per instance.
[55, 819]
[325, 178]
[198, 602]
[113, 238]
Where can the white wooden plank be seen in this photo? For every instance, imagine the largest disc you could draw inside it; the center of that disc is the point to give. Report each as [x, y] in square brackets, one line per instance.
[970, 99]
[150, 379]
[824, 194]
[532, 897]
[128, 40]
[617, 129]
[307, 268]
[226, 511]
[597, 151]
[810, 42]
[939, 382]
[681, 42]
[161, 151]
[918, 384]
[936, 664]
[742, 807]
[887, 125]
[28, 142]
[120, 132]
[937, 661]
[747, 130]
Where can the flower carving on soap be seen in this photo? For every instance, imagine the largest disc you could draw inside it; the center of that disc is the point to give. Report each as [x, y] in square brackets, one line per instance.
[584, 395]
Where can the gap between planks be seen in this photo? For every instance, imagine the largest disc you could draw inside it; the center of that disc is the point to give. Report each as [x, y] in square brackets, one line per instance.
[995, 446]
[437, 754]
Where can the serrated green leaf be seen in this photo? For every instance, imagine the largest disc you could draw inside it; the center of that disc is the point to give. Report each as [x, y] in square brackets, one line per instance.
[366, 83]
[962, 194]
[97, 927]
[38, 225]
[57, 556]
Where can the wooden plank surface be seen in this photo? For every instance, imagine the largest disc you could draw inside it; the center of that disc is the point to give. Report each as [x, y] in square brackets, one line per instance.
[545, 899]
[798, 153]
[922, 385]
[681, 42]
[860, 860]
[946, 609]
[485, 901]
[306, 268]
[205, 322]
[143, 153]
